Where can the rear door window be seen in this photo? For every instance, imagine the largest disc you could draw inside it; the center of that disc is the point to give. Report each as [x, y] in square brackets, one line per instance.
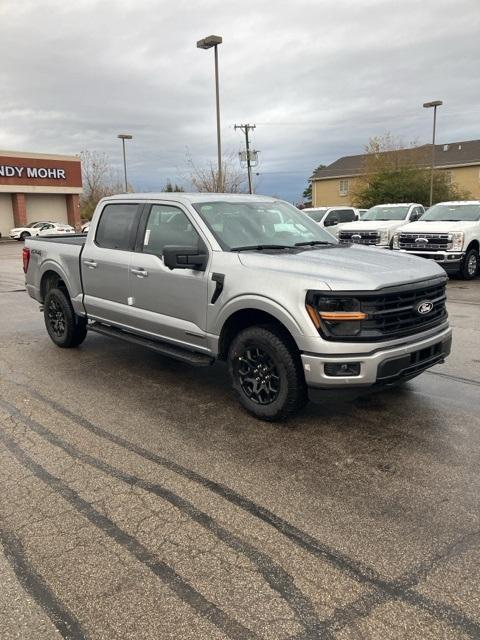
[346, 215]
[117, 226]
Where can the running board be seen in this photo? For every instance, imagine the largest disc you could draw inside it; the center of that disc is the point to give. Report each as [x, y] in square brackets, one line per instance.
[163, 348]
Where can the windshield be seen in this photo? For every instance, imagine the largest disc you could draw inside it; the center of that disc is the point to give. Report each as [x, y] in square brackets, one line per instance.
[454, 212]
[316, 214]
[252, 223]
[381, 212]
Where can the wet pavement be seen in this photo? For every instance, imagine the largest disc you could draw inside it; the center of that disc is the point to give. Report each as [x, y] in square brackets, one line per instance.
[138, 501]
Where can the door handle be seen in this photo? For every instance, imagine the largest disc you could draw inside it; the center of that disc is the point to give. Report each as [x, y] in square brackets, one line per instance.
[91, 264]
[140, 273]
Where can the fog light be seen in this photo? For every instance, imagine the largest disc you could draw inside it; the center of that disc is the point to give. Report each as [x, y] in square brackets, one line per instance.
[342, 369]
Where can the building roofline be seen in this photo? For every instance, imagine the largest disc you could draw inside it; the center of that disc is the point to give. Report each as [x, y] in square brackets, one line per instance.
[39, 156]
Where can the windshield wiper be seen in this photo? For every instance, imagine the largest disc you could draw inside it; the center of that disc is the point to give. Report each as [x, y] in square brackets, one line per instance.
[259, 247]
[311, 243]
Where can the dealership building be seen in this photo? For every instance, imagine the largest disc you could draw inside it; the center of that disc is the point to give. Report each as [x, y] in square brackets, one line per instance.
[36, 187]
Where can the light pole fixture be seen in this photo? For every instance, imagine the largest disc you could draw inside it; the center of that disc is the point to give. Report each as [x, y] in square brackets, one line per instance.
[123, 137]
[208, 43]
[429, 105]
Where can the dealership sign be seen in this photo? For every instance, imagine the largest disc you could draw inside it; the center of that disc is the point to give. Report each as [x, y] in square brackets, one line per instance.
[13, 171]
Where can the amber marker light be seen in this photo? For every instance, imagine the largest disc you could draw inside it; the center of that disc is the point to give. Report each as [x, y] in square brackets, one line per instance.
[342, 315]
[313, 315]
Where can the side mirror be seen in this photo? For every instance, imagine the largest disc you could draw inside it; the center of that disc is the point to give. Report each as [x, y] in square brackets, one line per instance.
[185, 257]
[331, 223]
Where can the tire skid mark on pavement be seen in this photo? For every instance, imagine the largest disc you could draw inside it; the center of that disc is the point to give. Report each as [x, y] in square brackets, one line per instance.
[34, 584]
[274, 574]
[386, 589]
[210, 611]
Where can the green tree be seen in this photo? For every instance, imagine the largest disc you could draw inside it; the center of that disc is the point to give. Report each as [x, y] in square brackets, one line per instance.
[307, 193]
[406, 184]
[172, 188]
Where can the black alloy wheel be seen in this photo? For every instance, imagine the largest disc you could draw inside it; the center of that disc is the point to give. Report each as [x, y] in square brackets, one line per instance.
[56, 318]
[64, 327]
[258, 375]
[267, 372]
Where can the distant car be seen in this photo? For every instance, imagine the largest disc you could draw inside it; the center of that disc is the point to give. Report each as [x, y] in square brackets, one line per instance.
[29, 230]
[40, 229]
[332, 218]
[52, 228]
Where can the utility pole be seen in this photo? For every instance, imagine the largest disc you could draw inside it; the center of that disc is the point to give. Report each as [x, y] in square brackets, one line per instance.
[245, 128]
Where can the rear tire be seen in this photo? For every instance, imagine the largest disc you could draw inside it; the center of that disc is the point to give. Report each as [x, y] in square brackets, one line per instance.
[266, 373]
[64, 327]
[470, 266]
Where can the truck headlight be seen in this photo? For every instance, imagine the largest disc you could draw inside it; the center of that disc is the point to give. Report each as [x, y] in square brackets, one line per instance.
[396, 241]
[336, 316]
[384, 237]
[455, 241]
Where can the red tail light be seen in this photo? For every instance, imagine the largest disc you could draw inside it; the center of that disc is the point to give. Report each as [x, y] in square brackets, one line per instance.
[25, 258]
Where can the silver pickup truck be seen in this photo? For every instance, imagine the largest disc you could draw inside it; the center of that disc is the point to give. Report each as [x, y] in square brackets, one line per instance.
[246, 279]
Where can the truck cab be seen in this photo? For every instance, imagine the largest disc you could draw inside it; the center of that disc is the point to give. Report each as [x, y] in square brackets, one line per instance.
[449, 234]
[378, 225]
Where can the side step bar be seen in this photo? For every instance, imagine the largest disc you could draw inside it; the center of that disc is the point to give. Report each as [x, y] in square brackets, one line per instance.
[163, 348]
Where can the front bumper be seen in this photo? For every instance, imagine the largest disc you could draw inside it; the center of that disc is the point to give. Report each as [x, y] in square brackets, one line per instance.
[383, 366]
[449, 260]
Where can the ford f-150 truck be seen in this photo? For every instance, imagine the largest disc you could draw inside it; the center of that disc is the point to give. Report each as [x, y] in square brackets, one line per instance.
[246, 279]
[379, 224]
[448, 233]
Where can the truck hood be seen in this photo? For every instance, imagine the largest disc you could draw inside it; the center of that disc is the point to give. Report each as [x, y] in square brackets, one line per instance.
[439, 226]
[372, 225]
[347, 267]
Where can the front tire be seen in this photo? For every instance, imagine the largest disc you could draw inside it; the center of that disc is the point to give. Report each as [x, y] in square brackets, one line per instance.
[470, 265]
[24, 236]
[266, 373]
[64, 327]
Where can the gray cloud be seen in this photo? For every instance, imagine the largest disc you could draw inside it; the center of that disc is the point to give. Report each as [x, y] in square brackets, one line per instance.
[317, 77]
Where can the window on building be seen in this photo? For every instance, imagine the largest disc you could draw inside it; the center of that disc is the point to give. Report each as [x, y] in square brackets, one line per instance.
[343, 187]
[116, 226]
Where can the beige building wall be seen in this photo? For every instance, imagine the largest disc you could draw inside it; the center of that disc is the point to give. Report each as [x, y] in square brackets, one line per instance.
[6, 214]
[326, 193]
[46, 207]
[467, 178]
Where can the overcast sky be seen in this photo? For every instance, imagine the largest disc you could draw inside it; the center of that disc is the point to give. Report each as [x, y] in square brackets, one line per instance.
[317, 77]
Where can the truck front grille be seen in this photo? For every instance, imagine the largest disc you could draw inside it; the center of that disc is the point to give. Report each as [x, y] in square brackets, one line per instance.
[394, 313]
[359, 237]
[423, 241]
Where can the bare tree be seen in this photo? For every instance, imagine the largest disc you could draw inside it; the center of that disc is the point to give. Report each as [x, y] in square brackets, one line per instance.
[98, 181]
[206, 178]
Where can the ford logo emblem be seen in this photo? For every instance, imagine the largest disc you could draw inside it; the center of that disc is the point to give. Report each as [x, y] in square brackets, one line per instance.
[421, 240]
[357, 236]
[424, 307]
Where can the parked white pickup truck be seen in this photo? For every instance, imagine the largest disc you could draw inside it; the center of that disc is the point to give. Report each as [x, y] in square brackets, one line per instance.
[379, 224]
[449, 233]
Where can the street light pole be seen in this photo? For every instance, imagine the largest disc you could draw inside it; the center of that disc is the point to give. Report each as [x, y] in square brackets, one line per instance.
[428, 105]
[123, 137]
[208, 43]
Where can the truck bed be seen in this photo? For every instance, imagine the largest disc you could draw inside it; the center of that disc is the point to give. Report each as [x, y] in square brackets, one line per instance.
[64, 238]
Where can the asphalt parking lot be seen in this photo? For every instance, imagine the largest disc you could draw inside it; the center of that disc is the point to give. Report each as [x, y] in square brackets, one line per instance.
[138, 501]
